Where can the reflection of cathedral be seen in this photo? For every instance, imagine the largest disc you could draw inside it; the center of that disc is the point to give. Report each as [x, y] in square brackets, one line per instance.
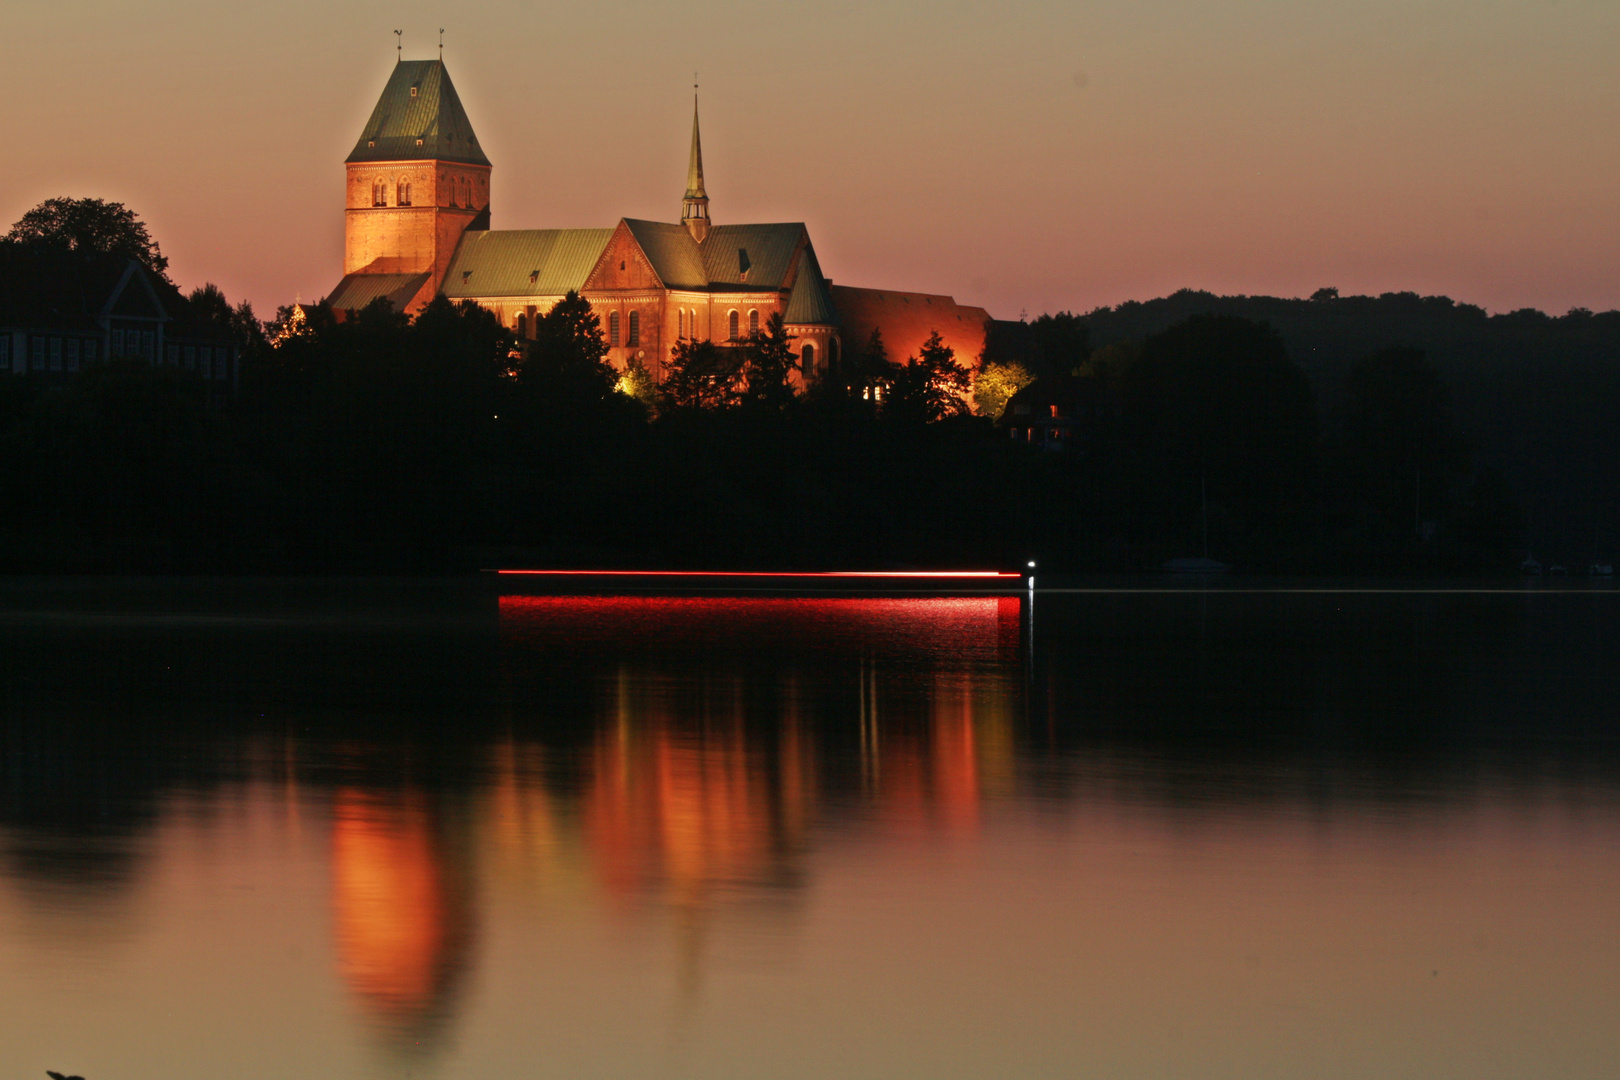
[417, 225]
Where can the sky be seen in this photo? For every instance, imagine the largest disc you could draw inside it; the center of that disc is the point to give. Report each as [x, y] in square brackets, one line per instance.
[1026, 156]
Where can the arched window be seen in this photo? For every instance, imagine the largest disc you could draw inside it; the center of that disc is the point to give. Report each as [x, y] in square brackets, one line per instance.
[379, 193]
[680, 322]
[753, 322]
[732, 320]
[807, 360]
[635, 329]
[613, 329]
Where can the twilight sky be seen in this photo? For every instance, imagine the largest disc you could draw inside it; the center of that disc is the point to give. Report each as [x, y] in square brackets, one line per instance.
[1027, 155]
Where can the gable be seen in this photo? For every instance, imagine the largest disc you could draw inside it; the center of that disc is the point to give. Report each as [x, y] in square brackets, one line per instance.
[623, 265]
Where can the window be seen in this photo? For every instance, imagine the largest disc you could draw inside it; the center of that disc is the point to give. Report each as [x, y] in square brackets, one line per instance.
[56, 354]
[635, 329]
[807, 359]
[36, 353]
[116, 347]
[402, 193]
[73, 354]
[680, 323]
[171, 355]
[753, 322]
[148, 343]
[190, 353]
[379, 193]
[205, 362]
[1054, 412]
[613, 329]
[222, 363]
[89, 352]
[732, 326]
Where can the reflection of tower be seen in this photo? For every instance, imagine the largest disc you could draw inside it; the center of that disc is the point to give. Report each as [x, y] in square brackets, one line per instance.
[403, 912]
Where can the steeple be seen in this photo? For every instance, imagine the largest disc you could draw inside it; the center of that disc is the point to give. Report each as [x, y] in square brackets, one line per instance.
[695, 206]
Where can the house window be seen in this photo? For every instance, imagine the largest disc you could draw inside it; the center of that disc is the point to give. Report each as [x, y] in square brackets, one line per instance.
[115, 344]
[613, 329]
[753, 322]
[56, 354]
[635, 329]
[731, 327]
[148, 343]
[171, 355]
[73, 354]
[89, 352]
[205, 361]
[807, 359]
[36, 354]
[190, 353]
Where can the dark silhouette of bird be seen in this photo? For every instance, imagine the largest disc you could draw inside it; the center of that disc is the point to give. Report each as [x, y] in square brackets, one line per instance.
[59, 1076]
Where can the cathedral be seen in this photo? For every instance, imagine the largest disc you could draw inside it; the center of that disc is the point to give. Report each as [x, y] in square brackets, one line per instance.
[417, 225]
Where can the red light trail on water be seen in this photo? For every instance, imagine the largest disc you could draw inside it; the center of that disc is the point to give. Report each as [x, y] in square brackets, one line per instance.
[981, 574]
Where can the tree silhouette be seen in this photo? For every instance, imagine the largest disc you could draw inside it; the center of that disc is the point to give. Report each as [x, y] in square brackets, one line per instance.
[93, 226]
[702, 376]
[930, 386]
[768, 363]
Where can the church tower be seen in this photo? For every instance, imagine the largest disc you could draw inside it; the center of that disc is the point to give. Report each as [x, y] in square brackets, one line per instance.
[417, 179]
[695, 206]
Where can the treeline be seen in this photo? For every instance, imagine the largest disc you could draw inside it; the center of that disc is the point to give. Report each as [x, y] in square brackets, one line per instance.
[441, 443]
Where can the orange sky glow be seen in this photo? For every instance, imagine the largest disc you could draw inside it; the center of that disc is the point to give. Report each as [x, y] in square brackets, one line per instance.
[1027, 157]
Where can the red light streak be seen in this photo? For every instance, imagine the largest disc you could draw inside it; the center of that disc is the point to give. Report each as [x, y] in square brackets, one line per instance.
[774, 574]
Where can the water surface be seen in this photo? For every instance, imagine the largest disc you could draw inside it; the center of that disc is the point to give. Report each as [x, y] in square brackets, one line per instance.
[382, 829]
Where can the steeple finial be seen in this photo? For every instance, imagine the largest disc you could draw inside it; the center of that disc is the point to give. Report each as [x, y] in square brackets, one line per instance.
[695, 205]
[441, 44]
[399, 46]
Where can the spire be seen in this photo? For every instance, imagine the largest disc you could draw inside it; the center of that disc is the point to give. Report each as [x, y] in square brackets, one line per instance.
[695, 206]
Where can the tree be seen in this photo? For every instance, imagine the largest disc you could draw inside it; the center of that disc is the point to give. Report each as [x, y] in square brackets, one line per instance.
[568, 357]
[994, 386]
[931, 385]
[701, 375]
[868, 373]
[1062, 343]
[1399, 446]
[91, 226]
[768, 362]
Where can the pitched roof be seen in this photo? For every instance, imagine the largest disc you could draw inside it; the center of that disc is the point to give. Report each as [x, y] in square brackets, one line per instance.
[356, 291]
[751, 256]
[675, 256]
[809, 304]
[418, 118]
[44, 287]
[523, 262]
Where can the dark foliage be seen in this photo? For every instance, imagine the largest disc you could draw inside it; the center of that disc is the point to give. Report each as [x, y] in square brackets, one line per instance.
[90, 226]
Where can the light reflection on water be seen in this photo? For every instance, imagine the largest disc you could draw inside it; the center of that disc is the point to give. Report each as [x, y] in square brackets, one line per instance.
[763, 836]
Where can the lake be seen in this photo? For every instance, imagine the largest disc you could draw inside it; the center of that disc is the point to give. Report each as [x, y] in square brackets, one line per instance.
[1135, 828]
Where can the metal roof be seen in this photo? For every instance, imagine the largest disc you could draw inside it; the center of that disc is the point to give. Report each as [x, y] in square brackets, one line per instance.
[809, 304]
[674, 255]
[419, 118]
[694, 164]
[751, 256]
[523, 262]
[356, 291]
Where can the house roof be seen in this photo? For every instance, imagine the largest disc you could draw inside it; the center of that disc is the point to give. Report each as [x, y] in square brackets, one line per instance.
[418, 118]
[523, 262]
[809, 304]
[46, 288]
[737, 257]
[356, 291]
[675, 256]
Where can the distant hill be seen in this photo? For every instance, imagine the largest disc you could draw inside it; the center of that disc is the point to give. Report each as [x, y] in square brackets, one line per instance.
[1537, 396]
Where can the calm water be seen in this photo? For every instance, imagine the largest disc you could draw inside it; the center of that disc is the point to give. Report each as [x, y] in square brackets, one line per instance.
[413, 829]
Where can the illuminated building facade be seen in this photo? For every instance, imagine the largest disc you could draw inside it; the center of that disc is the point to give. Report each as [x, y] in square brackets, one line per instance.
[416, 226]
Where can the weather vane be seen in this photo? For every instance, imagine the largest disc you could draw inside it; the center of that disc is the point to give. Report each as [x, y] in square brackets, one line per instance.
[399, 46]
[441, 44]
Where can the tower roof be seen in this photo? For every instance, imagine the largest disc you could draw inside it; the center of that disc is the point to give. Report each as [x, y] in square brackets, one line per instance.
[694, 166]
[419, 117]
